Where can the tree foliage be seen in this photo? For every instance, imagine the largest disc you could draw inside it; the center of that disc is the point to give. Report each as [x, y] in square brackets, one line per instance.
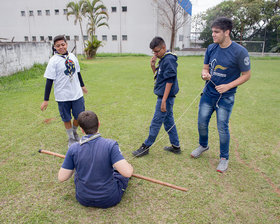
[172, 16]
[75, 9]
[96, 13]
[97, 16]
[254, 20]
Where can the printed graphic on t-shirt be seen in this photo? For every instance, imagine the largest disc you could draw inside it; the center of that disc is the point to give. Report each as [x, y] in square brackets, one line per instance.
[213, 69]
[70, 68]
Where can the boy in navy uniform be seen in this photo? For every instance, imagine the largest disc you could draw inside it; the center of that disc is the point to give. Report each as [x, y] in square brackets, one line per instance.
[101, 172]
[166, 88]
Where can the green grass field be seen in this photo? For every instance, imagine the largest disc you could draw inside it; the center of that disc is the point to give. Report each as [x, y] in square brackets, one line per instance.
[121, 93]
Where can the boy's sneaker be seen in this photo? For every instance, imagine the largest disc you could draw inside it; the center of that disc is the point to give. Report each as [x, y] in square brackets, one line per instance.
[198, 151]
[142, 151]
[71, 141]
[173, 148]
[76, 136]
[223, 165]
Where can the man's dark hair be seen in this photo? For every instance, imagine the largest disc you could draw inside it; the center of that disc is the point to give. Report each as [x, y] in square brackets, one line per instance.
[157, 42]
[88, 121]
[59, 37]
[223, 23]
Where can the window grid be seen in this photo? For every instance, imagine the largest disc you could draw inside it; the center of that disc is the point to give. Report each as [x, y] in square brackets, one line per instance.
[114, 37]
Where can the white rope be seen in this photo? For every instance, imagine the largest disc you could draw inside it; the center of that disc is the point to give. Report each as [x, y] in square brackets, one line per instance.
[174, 122]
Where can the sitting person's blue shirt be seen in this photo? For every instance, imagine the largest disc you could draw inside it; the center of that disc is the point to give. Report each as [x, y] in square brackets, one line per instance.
[97, 183]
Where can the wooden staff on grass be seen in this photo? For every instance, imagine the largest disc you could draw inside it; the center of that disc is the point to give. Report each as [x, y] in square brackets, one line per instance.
[134, 175]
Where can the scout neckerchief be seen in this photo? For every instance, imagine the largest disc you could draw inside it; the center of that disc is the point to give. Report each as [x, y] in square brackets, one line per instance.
[69, 64]
[86, 138]
[157, 68]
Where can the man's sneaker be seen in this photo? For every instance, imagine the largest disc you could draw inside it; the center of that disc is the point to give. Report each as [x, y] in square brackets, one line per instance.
[71, 141]
[223, 165]
[198, 151]
[142, 151]
[76, 136]
[173, 148]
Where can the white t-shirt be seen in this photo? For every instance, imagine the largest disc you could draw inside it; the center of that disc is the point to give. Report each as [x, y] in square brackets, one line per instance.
[65, 77]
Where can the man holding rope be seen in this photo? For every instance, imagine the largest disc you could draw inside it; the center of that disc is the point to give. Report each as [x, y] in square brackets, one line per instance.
[224, 61]
[166, 88]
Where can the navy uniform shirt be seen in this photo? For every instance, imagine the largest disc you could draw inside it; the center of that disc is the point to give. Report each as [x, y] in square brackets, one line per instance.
[93, 163]
[166, 72]
[225, 66]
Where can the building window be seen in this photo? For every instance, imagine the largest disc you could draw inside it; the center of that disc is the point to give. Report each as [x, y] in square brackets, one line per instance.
[48, 12]
[124, 37]
[34, 38]
[65, 11]
[85, 37]
[114, 9]
[56, 11]
[67, 37]
[22, 13]
[26, 38]
[50, 38]
[181, 37]
[42, 38]
[104, 37]
[39, 12]
[31, 13]
[124, 8]
[76, 38]
[104, 9]
[114, 37]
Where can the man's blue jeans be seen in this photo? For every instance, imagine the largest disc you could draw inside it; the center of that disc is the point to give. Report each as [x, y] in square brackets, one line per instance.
[207, 106]
[167, 119]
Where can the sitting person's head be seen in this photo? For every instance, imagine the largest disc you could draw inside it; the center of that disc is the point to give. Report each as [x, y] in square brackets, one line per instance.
[88, 121]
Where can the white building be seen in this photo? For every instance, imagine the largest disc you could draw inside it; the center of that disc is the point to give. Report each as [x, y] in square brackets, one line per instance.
[132, 24]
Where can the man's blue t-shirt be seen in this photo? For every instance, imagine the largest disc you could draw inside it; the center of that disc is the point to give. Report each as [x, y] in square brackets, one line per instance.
[92, 161]
[166, 73]
[225, 66]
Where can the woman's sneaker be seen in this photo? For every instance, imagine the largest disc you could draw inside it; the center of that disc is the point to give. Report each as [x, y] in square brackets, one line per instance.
[198, 151]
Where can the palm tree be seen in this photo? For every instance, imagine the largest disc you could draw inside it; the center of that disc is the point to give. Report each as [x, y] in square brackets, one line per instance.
[75, 9]
[95, 10]
[97, 15]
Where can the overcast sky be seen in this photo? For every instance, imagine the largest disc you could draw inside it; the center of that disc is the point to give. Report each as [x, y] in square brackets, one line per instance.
[201, 5]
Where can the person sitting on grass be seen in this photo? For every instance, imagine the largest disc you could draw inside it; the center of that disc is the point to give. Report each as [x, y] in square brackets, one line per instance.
[64, 71]
[101, 172]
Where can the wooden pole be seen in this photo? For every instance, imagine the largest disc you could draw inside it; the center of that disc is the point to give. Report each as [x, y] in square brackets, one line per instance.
[134, 175]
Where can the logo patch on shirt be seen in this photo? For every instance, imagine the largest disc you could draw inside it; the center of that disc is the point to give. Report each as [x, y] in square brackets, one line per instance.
[70, 67]
[214, 67]
[220, 67]
[247, 61]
